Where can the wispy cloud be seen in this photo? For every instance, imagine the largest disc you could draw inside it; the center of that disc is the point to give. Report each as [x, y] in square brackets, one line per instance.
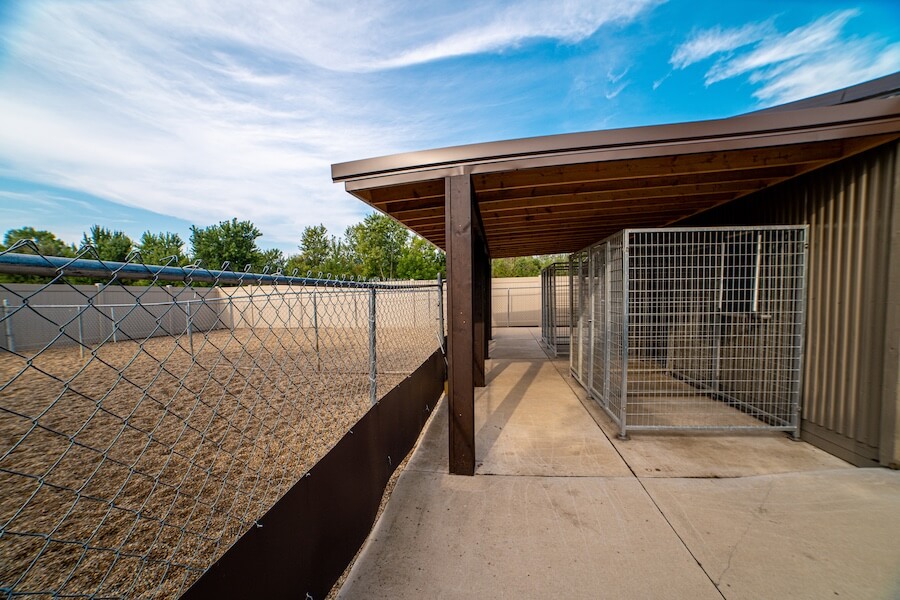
[703, 44]
[805, 61]
[217, 108]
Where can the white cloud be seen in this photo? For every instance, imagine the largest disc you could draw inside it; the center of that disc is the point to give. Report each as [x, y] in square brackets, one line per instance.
[812, 59]
[809, 40]
[703, 44]
[210, 109]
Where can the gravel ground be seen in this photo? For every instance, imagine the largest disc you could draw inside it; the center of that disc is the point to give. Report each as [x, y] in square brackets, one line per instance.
[131, 470]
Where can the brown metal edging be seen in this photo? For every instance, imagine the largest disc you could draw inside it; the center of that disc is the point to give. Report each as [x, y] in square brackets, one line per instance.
[302, 545]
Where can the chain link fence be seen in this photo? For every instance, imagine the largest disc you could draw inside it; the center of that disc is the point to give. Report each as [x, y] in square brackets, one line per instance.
[145, 428]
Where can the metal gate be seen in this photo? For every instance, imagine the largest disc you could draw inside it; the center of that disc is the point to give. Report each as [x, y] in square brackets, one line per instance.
[555, 307]
[692, 328]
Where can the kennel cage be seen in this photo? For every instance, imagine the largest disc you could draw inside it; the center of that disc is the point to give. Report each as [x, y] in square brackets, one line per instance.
[555, 307]
[692, 328]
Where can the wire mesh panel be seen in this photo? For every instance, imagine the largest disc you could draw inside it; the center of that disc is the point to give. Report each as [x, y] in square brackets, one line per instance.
[699, 328]
[555, 305]
[144, 428]
[579, 351]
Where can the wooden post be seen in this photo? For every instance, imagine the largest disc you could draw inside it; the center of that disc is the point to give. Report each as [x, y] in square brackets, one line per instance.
[480, 333]
[458, 201]
[489, 311]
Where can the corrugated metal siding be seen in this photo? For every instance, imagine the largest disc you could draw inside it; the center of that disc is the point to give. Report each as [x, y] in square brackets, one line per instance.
[849, 207]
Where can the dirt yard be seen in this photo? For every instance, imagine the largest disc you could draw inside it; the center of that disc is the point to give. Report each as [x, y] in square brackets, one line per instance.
[131, 470]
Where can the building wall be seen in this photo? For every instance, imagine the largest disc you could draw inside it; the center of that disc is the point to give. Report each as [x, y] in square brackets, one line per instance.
[850, 392]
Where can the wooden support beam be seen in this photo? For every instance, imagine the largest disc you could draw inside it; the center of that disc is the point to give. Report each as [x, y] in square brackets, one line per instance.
[461, 313]
[478, 348]
[488, 311]
[482, 304]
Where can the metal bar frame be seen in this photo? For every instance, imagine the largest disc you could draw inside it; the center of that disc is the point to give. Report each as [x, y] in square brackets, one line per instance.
[711, 322]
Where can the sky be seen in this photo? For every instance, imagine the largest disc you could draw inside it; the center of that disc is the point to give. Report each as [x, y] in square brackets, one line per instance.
[155, 115]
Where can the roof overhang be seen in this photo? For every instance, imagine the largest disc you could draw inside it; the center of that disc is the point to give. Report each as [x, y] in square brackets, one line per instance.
[560, 193]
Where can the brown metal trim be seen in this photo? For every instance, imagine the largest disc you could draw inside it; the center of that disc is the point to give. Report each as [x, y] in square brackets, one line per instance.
[302, 545]
[460, 312]
[889, 85]
[870, 117]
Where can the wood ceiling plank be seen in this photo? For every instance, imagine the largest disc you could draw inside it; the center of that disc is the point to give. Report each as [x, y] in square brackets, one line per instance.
[432, 188]
[704, 162]
[660, 180]
[699, 200]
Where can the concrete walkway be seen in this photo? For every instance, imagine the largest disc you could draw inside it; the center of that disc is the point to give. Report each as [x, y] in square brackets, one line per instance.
[557, 510]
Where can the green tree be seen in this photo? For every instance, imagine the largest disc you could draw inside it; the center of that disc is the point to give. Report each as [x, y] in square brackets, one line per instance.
[315, 246]
[48, 244]
[376, 245]
[110, 245]
[523, 266]
[158, 248]
[272, 259]
[421, 260]
[230, 241]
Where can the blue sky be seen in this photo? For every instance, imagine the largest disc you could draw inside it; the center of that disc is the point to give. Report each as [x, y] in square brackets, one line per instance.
[158, 114]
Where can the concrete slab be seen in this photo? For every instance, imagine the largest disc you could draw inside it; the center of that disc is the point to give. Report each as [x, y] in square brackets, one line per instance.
[711, 454]
[445, 536]
[810, 527]
[527, 422]
[516, 343]
[827, 534]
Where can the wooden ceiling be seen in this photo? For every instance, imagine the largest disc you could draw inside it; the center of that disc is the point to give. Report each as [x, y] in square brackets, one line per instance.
[562, 193]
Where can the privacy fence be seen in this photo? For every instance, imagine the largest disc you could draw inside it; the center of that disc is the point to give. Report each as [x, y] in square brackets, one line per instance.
[145, 428]
[692, 328]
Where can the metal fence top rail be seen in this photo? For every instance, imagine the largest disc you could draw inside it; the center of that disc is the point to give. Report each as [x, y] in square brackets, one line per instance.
[720, 228]
[13, 262]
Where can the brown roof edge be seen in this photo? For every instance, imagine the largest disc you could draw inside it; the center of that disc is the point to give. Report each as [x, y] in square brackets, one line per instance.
[883, 87]
[754, 124]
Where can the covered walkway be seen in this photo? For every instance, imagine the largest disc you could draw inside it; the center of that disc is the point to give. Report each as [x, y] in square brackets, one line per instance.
[560, 508]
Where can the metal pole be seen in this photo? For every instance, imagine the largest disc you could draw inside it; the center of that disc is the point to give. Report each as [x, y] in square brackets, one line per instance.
[373, 364]
[99, 315]
[508, 309]
[190, 329]
[80, 334]
[440, 300]
[10, 341]
[115, 328]
[316, 329]
[626, 277]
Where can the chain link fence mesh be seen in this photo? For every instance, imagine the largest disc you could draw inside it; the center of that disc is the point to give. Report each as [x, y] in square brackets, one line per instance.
[145, 428]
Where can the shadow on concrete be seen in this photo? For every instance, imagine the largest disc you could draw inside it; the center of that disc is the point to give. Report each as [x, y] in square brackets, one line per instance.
[489, 432]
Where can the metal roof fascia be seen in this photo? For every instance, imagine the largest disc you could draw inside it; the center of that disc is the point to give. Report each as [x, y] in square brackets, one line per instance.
[437, 163]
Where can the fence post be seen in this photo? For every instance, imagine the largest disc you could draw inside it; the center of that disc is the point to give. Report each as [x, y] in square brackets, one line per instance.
[99, 308]
[190, 328]
[316, 329]
[373, 365]
[80, 333]
[10, 341]
[440, 300]
[115, 328]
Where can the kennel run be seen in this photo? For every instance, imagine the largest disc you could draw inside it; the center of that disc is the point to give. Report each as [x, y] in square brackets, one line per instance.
[692, 328]
[555, 306]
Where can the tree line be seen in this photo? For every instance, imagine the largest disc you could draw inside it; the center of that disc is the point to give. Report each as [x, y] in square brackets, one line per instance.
[377, 247]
